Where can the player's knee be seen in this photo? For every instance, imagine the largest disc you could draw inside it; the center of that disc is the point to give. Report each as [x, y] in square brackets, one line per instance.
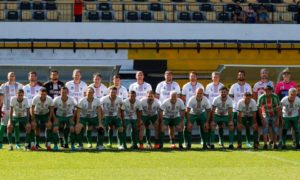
[10, 129]
[120, 129]
[71, 129]
[55, 129]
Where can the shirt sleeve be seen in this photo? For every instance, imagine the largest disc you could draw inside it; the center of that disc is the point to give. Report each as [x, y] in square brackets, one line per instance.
[277, 89]
[158, 88]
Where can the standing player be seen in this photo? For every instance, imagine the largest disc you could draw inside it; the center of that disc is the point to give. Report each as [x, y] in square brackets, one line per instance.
[269, 112]
[42, 110]
[198, 110]
[19, 116]
[32, 88]
[89, 114]
[150, 113]
[258, 88]
[76, 86]
[65, 106]
[8, 89]
[53, 86]
[282, 88]
[140, 86]
[222, 115]
[212, 89]
[237, 91]
[189, 89]
[290, 113]
[131, 115]
[246, 118]
[99, 88]
[121, 90]
[172, 111]
[111, 107]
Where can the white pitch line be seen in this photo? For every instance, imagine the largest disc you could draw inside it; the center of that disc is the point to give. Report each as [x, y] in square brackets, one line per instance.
[275, 158]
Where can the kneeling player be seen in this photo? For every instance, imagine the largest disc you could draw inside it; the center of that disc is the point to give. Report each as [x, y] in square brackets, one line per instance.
[172, 112]
[222, 115]
[246, 118]
[131, 115]
[290, 114]
[42, 110]
[198, 110]
[19, 116]
[65, 105]
[89, 114]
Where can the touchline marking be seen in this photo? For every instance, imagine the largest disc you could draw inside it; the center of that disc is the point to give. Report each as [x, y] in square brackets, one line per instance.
[275, 158]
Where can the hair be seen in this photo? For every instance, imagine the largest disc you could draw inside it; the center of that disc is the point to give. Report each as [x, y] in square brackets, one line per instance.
[242, 71]
[292, 90]
[54, 71]
[247, 94]
[117, 76]
[193, 72]
[139, 72]
[43, 90]
[97, 75]
[20, 91]
[215, 73]
[132, 92]
[113, 88]
[168, 72]
[150, 92]
[223, 88]
[90, 88]
[76, 70]
[32, 72]
[65, 88]
[264, 70]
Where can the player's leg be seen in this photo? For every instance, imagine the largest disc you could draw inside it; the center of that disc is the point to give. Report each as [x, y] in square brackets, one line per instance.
[179, 128]
[255, 136]
[274, 128]
[33, 124]
[110, 135]
[203, 129]
[28, 129]
[188, 130]
[49, 135]
[55, 134]
[100, 139]
[163, 128]
[89, 131]
[121, 132]
[61, 133]
[134, 132]
[156, 126]
[240, 127]
[10, 129]
[231, 128]
[79, 130]
[3, 127]
[71, 125]
[248, 124]
[296, 131]
[212, 127]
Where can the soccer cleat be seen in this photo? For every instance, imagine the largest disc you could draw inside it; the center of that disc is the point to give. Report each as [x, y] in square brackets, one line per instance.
[33, 148]
[55, 148]
[18, 146]
[80, 148]
[248, 145]
[212, 147]
[297, 146]
[188, 146]
[66, 146]
[121, 147]
[239, 146]
[265, 147]
[109, 145]
[205, 147]
[61, 140]
[134, 146]
[180, 147]
[73, 148]
[48, 146]
[275, 146]
[10, 148]
[156, 146]
[283, 147]
[255, 147]
[141, 146]
[27, 148]
[231, 147]
[38, 146]
[173, 146]
[100, 148]
[90, 146]
[149, 146]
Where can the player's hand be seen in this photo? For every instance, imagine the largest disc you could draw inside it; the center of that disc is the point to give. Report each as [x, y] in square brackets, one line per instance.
[9, 123]
[206, 125]
[189, 125]
[240, 126]
[100, 126]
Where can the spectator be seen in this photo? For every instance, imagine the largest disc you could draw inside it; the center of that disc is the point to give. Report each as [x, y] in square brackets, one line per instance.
[298, 12]
[251, 15]
[238, 13]
[263, 16]
[78, 4]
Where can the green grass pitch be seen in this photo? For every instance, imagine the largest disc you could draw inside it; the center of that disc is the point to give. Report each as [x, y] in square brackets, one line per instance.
[166, 164]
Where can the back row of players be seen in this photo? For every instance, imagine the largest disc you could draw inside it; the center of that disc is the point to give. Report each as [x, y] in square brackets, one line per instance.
[68, 110]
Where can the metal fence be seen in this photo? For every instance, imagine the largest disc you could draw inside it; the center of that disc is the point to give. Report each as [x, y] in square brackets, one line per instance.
[150, 12]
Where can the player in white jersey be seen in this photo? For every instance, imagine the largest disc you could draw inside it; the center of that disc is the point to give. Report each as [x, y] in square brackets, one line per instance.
[19, 116]
[121, 90]
[222, 115]
[42, 110]
[76, 86]
[247, 109]
[8, 89]
[172, 111]
[65, 106]
[291, 116]
[258, 88]
[111, 108]
[198, 111]
[189, 89]
[89, 114]
[140, 86]
[99, 88]
[131, 116]
[212, 89]
[164, 88]
[32, 88]
[150, 111]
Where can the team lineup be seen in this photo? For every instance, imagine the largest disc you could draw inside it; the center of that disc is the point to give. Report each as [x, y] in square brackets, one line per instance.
[71, 112]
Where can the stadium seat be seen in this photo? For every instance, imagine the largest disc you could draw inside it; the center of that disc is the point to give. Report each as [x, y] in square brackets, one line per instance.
[281, 8]
[292, 8]
[117, 7]
[37, 5]
[2, 15]
[93, 16]
[295, 17]
[119, 16]
[12, 15]
[229, 7]
[159, 16]
[277, 1]
[184, 16]
[52, 15]
[171, 16]
[142, 7]
[178, 1]
[197, 16]
[155, 7]
[270, 7]
[166, 1]
[2, 6]
[224, 17]
[132, 16]
[12, 6]
[219, 8]
[146, 16]
[129, 7]
[203, 1]
[210, 16]
[106, 15]
[287, 17]
[26, 15]
[181, 7]
[91, 7]
[194, 7]
[140, 0]
[51, 6]
[39, 15]
[263, 1]
[25, 5]
[276, 17]
[168, 7]
[206, 7]
[104, 6]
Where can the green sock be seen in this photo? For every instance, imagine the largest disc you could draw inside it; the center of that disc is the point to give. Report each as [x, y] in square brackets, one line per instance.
[255, 137]
[80, 137]
[89, 136]
[221, 134]
[231, 137]
[205, 137]
[100, 138]
[37, 139]
[161, 137]
[284, 132]
[72, 138]
[185, 133]
[135, 137]
[148, 136]
[110, 136]
[55, 138]
[66, 135]
[10, 138]
[248, 136]
[180, 137]
[239, 137]
[17, 134]
[32, 135]
[120, 138]
[48, 135]
[212, 137]
[2, 129]
[297, 136]
[27, 138]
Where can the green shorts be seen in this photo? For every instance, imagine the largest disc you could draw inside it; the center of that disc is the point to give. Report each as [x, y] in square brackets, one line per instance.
[171, 121]
[221, 119]
[66, 120]
[132, 122]
[89, 121]
[19, 121]
[112, 121]
[247, 121]
[147, 120]
[199, 119]
[41, 118]
[288, 121]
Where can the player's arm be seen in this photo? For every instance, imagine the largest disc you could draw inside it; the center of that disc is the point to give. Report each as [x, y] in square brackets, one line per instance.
[139, 118]
[99, 114]
[187, 115]
[230, 113]
[11, 111]
[78, 110]
[28, 115]
[299, 115]
[213, 110]
[51, 115]
[1, 104]
[32, 113]
[255, 94]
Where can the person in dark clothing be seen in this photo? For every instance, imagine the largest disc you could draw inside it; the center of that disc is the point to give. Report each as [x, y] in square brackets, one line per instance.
[54, 85]
[298, 12]
[78, 5]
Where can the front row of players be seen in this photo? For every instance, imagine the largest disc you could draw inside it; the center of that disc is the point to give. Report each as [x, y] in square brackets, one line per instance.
[268, 115]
